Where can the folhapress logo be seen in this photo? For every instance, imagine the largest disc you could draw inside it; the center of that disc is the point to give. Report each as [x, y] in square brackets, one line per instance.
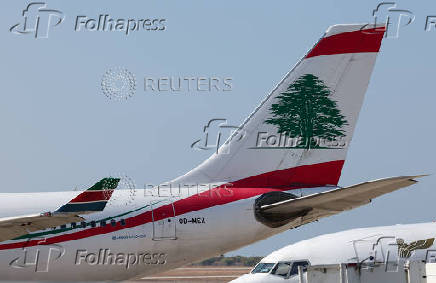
[104, 257]
[216, 132]
[38, 20]
[392, 17]
[38, 258]
[108, 23]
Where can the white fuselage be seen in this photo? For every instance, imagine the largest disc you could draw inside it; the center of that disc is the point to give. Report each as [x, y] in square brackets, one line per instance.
[390, 246]
[142, 241]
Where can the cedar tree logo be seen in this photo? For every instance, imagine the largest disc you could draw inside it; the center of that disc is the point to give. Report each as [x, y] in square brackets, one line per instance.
[305, 112]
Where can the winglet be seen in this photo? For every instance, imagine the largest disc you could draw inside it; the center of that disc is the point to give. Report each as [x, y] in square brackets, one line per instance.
[93, 199]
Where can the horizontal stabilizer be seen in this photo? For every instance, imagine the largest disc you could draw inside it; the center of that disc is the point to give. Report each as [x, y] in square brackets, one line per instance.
[313, 207]
[12, 227]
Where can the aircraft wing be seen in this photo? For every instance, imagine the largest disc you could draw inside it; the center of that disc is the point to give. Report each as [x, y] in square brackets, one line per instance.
[313, 207]
[92, 200]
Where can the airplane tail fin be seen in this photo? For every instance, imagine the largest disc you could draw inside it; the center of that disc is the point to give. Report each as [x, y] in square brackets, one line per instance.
[300, 133]
[93, 199]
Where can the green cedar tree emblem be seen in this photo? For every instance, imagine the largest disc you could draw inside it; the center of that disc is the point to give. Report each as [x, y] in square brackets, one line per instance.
[306, 111]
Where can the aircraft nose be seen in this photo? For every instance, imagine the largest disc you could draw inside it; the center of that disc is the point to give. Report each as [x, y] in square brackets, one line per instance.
[242, 279]
[248, 278]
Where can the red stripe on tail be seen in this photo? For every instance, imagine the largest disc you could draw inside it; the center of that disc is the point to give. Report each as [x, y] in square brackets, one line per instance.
[321, 174]
[367, 40]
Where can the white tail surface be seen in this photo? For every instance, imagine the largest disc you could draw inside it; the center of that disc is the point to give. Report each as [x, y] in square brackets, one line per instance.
[299, 135]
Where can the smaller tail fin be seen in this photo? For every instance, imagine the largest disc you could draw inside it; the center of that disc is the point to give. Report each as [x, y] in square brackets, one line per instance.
[93, 199]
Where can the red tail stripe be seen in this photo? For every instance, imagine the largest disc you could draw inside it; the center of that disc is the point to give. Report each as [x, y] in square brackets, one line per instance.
[320, 174]
[368, 40]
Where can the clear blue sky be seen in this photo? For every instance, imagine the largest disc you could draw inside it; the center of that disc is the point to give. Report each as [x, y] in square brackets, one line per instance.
[60, 132]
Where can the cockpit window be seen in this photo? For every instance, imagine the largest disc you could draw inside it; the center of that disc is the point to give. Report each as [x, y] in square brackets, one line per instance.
[282, 269]
[263, 267]
[296, 264]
